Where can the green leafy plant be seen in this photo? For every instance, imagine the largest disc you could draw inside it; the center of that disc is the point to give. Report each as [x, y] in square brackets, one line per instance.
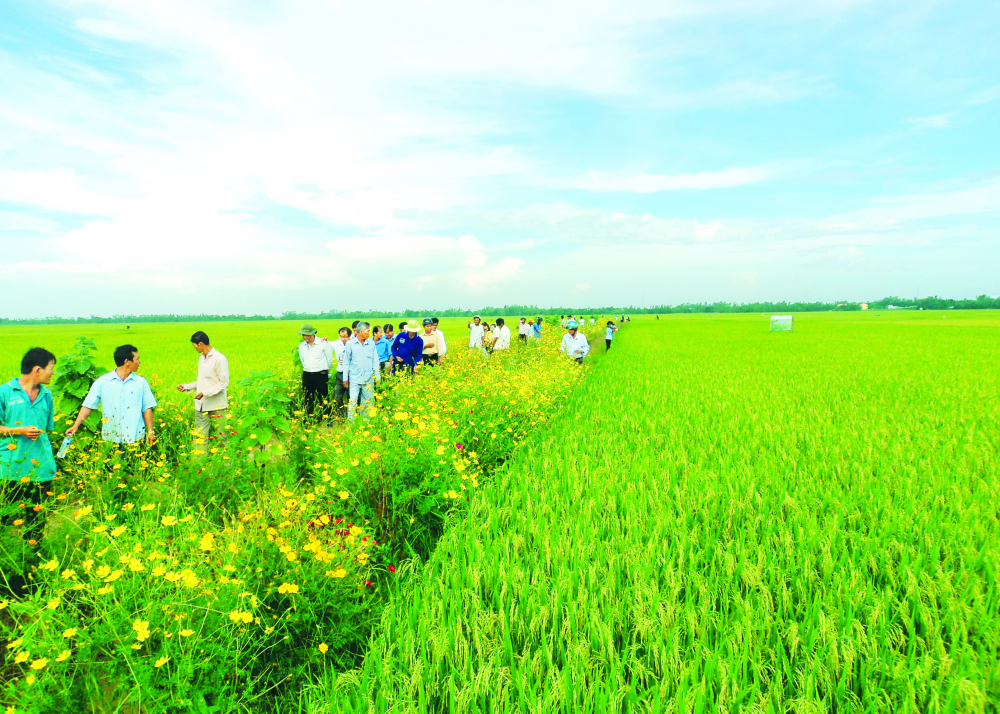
[75, 372]
[264, 415]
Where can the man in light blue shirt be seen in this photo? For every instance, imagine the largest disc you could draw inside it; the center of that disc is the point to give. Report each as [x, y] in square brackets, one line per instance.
[361, 370]
[574, 343]
[125, 399]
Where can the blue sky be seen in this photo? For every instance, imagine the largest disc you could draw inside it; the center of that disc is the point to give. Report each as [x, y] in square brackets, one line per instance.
[190, 156]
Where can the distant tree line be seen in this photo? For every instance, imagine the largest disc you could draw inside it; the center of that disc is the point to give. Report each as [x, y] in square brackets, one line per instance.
[982, 302]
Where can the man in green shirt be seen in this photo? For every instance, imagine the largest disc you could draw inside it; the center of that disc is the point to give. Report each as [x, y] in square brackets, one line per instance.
[26, 463]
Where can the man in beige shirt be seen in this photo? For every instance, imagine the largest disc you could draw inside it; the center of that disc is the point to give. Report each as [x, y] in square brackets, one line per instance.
[210, 402]
[433, 343]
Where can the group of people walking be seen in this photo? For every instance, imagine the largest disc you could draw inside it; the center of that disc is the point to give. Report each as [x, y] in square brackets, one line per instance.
[358, 359]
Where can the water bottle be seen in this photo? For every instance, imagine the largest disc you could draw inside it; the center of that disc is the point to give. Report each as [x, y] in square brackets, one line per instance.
[64, 449]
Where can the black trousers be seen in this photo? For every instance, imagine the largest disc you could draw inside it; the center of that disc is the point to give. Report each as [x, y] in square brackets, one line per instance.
[431, 359]
[315, 390]
[607, 344]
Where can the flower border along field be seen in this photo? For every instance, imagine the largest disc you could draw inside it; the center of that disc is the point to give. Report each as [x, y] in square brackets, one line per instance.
[170, 580]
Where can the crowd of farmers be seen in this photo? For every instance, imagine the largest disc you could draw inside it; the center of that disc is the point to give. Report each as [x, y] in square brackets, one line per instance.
[358, 359]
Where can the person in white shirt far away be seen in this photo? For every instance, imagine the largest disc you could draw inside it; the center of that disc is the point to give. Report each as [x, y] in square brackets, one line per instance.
[210, 400]
[523, 330]
[444, 343]
[340, 391]
[476, 333]
[316, 356]
[574, 343]
[501, 336]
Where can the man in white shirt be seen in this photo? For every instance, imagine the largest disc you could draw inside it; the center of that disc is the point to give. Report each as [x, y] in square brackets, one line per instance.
[317, 359]
[476, 333]
[501, 336]
[574, 343]
[523, 330]
[340, 390]
[444, 344]
[210, 401]
[562, 321]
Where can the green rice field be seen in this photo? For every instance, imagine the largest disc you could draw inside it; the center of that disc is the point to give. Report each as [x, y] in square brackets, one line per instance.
[726, 520]
[714, 518]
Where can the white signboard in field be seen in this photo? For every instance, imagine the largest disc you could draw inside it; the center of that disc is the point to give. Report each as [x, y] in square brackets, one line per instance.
[782, 323]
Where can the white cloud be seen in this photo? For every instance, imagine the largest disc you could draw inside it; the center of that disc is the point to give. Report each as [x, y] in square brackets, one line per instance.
[648, 183]
[938, 121]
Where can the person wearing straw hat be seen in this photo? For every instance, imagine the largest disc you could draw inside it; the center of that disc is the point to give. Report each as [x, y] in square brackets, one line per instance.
[574, 343]
[316, 356]
[408, 349]
[433, 347]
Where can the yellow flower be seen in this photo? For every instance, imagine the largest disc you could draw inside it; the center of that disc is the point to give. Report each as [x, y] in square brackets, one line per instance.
[39, 663]
[147, 507]
[70, 632]
[118, 531]
[440, 450]
[141, 628]
[22, 657]
[4, 604]
[161, 661]
[344, 495]
[100, 529]
[106, 589]
[63, 656]
[30, 679]
[102, 571]
[85, 511]
[172, 577]
[50, 566]
[237, 616]
[52, 604]
[68, 574]
[339, 573]
[158, 571]
[11, 447]
[168, 520]
[186, 633]
[115, 574]
[323, 648]
[288, 588]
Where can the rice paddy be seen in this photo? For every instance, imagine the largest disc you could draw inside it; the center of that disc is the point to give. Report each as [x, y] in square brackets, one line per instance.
[711, 517]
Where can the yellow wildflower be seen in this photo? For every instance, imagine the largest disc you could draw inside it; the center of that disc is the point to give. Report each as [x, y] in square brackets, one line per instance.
[288, 588]
[161, 661]
[69, 632]
[39, 663]
[186, 633]
[323, 648]
[168, 520]
[63, 656]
